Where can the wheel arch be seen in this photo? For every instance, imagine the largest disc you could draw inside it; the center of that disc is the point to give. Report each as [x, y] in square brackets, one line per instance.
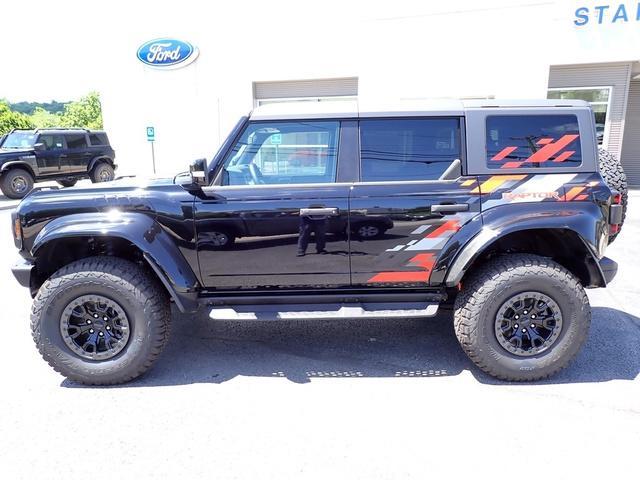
[100, 158]
[133, 236]
[17, 164]
[570, 235]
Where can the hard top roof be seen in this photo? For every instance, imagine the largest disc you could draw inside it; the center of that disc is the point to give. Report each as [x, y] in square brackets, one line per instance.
[395, 108]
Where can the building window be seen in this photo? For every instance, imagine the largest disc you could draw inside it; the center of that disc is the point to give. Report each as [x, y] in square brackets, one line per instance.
[600, 100]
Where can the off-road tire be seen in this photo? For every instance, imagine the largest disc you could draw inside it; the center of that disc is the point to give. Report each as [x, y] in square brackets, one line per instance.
[7, 182]
[68, 183]
[102, 172]
[141, 297]
[613, 174]
[486, 289]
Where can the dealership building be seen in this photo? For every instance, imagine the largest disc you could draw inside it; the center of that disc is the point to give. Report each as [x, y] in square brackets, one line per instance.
[389, 50]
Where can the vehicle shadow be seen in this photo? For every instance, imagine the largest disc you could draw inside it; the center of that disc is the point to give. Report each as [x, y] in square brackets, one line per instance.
[206, 351]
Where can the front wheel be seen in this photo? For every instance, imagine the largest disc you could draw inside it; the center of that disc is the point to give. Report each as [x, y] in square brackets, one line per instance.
[16, 183]
[102, 172]
[521, 317]
[100, 321]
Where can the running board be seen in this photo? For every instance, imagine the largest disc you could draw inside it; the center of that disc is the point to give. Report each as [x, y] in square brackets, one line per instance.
[323, 311]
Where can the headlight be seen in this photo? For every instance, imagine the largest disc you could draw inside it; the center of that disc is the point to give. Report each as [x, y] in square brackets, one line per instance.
[17, 229]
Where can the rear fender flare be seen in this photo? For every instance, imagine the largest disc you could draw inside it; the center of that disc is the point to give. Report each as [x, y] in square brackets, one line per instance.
[99, 159]
[144, 232]
[584, 219]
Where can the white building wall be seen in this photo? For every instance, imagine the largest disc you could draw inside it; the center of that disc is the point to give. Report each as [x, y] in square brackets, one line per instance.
[410, 49]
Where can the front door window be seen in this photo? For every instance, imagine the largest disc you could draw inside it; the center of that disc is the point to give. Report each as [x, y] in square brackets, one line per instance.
[278, 153]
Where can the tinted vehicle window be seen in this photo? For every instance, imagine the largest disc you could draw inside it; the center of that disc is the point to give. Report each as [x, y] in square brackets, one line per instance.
[98, 139]
[76, 141]
[525, 141]
[408, 149]
[52, 142]
[284, 152]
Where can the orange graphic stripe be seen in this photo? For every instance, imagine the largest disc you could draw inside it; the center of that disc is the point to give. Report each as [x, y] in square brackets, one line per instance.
[544, 141]
[581, 197]
[571, 194]
[495, 182]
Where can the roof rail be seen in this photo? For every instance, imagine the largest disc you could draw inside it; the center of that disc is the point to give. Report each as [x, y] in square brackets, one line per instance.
[63, 128]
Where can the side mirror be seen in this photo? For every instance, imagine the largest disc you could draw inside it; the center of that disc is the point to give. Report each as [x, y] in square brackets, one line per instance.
[39, 146]
[198, 170]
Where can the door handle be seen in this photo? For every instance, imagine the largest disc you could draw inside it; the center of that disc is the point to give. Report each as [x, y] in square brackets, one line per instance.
[450, 208]
[328, 212]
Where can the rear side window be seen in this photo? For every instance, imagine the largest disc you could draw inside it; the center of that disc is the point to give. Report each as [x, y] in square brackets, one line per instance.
[98, 139]
[531, 141]
[408, 149]
[76, 141]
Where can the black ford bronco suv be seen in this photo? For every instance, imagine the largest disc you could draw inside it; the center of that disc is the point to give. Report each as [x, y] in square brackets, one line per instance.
[62, 154]
[496, 209]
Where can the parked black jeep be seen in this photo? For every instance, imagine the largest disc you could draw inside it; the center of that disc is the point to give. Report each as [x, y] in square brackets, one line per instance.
[497, 209]
[65, 155]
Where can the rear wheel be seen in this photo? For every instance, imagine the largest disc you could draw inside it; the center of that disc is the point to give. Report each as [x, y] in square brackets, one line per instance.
[521, 317]
[102, 172]
[100, 321]
[613, 174]
[16, 183]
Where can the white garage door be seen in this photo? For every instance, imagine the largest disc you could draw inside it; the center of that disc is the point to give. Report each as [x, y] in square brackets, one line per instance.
[305, 90]
[631, 143]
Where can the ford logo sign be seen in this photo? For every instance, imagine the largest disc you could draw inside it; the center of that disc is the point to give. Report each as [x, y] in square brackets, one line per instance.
[167, 53]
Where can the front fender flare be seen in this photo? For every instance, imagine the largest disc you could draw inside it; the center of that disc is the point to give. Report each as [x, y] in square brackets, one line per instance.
[584, 219]
[19, 164]
[144, 232]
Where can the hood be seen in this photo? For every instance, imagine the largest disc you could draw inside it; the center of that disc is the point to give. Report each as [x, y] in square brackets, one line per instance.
[126, 193]
[15, 152]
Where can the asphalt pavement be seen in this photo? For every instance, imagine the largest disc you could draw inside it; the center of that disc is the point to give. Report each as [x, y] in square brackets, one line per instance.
[383, 399]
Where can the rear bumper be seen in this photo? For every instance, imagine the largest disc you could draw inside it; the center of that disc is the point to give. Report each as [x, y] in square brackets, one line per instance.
[22, 271]
[609, 268]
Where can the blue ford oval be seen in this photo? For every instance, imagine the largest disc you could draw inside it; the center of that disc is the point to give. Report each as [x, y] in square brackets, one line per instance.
[166, 52]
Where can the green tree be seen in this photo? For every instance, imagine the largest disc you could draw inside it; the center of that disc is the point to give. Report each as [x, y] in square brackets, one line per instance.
[10, 119]
[43, 119]
[85, 113]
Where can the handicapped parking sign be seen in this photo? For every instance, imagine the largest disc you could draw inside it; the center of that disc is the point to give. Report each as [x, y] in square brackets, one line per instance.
[151, 134]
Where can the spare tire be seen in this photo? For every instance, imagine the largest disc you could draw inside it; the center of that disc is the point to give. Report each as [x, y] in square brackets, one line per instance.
[613, 174]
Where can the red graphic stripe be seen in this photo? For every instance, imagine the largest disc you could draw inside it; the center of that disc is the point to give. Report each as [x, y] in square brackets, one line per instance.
[394, 277]
[564, 155]
[424, 260]
[451, 225]
[549, 150]
[544, 141]
[504, 153]
[511, 164]
[584, 196]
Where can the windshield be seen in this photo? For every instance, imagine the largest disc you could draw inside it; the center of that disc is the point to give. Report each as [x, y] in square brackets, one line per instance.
[19, 140]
